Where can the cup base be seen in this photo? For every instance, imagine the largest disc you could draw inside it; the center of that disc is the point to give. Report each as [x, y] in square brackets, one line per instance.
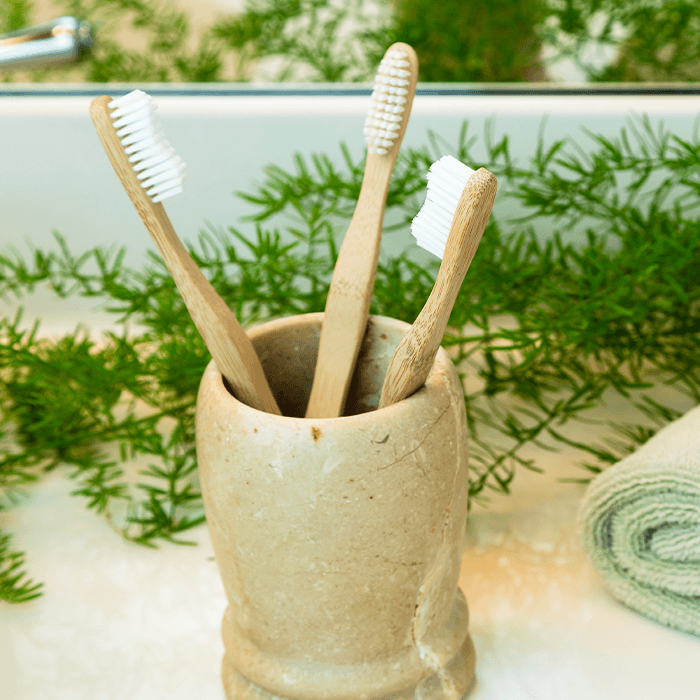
[452, 682]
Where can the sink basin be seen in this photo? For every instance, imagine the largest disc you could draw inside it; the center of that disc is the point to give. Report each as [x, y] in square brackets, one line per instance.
[54, 173]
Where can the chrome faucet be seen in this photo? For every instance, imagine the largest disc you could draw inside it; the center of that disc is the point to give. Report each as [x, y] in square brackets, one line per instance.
[61, 40]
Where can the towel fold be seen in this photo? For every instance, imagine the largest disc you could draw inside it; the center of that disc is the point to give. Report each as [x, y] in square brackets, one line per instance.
[640, 522]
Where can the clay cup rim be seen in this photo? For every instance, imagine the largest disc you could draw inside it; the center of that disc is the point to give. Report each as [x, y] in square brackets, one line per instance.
[260, 332]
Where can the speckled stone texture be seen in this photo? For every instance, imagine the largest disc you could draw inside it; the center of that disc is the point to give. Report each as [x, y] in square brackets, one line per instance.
[339, 540]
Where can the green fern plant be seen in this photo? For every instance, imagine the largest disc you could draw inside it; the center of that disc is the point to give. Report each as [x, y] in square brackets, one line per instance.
[543, 331]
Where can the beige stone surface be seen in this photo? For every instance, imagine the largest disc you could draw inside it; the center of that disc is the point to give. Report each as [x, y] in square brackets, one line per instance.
[339, 540]
[126, 622]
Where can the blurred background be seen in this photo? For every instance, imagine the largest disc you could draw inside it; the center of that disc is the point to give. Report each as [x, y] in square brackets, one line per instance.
[605, 41]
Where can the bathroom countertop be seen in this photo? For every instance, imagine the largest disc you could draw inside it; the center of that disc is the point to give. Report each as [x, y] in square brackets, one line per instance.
[543, 625]
[119, 621]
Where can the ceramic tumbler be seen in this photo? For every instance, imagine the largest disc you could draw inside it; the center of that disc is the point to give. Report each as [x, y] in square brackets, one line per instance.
[339, 540]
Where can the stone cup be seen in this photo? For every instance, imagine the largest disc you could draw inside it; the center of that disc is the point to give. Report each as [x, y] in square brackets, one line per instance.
[339, 540]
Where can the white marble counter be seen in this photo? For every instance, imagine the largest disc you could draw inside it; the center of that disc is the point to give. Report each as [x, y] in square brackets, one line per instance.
[123, 622]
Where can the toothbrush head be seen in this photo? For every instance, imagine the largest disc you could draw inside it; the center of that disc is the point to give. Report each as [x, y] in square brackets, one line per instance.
[158, 169]
[390, 106]
[447, 178]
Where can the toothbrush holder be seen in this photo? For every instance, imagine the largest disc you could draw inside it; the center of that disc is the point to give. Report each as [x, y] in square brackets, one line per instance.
[339, 540]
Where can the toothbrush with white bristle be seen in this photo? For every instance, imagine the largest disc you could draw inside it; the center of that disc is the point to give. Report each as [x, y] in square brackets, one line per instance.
[350, 294]
[150, 172]
[450, 225]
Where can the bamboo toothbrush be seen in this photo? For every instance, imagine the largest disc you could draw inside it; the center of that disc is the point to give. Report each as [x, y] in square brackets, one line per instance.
[150, 171]
[347, 306]
[458, 203]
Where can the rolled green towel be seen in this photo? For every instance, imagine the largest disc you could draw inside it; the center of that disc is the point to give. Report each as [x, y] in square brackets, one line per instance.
[640, 522]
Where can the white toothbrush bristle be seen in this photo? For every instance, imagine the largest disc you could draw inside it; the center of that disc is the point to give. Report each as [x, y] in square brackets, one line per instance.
[387, 106]
[159, 170]
[447, 178]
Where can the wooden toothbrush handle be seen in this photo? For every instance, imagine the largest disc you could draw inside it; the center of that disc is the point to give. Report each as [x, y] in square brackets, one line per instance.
[414, 356]
[350, 295]
[223, 335]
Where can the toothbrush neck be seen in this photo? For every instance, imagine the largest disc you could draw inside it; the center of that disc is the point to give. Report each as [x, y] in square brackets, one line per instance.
[375, 183]
[438, 308]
